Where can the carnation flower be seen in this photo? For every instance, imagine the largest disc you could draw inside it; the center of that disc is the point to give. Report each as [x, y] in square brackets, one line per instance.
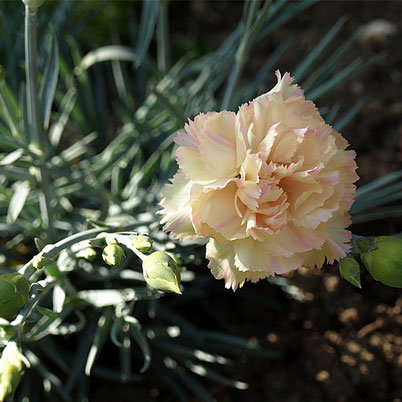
[270, 185]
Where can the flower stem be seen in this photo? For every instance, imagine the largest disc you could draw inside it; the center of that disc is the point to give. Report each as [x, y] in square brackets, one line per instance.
[37, 139]
[51, 250]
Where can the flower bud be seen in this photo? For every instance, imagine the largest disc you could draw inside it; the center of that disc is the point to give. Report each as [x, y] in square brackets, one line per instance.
[87, 253]
[14, 291]
[143, 244]
[8, 332]
[350, 270]
[113, 254]
[383, 259]
[39, 261]
[33, 4]
[161, 272]
[11, 367]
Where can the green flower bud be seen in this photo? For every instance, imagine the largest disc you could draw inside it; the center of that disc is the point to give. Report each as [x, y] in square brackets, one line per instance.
[161, 272]
[11, 367]
[143, 244]
[384, 262]
[39, 261]
[87, 253]
[113, 255]
[14, 291]
[33, 4]
[8, 332]
[350, 270]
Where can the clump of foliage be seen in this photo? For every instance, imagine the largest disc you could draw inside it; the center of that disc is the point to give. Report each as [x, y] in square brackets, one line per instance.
[84, 196]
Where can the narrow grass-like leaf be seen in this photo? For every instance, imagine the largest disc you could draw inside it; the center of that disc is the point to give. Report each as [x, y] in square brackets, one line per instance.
[163, 45]
[193, 385]
[11, 157]
[21, 192]
[330, 64]
[106, 53]
[48, 88]
[141, 340]
[383, 213]
[313, 56]
[57, 128]
[45, 372]
[347, 117]
[189, 352]
[204, 371]
[149, 15]
[125, 355]
[102, 330]
[348, 72]
[170, 382]
[376, 184]
[9, 109]
[59, 297]
[109, 297]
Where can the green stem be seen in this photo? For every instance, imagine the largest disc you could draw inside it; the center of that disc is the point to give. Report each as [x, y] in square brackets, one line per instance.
[37, 139]
[37, 292]
[51, 250]
[163, 38]
[44, 202]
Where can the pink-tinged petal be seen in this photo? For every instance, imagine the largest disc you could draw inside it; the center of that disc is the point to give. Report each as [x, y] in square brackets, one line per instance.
[193, 166]
[218, 145]
[258, 259]
[283, 265]
[250, 168]
[265, 145]
[248, 195]
[186, 140]
[300, 240]
[243, 119]
[252, 254]
[217, 209]
[338, 243]
[221, 263]
[176, 208]
[283, 88]
[269, 192]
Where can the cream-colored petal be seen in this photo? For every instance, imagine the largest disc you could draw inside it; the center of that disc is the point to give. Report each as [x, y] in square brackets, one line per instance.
[221, 263]
[218, 145]
[176, 208]
[217, 209]
[193, 166]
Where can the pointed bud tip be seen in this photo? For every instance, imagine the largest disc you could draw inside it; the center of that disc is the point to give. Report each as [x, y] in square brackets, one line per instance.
[161, 272]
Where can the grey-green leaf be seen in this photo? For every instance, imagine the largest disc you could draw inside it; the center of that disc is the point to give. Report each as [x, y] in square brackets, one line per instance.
[17, 201]
[149, 15]
[50, 80]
